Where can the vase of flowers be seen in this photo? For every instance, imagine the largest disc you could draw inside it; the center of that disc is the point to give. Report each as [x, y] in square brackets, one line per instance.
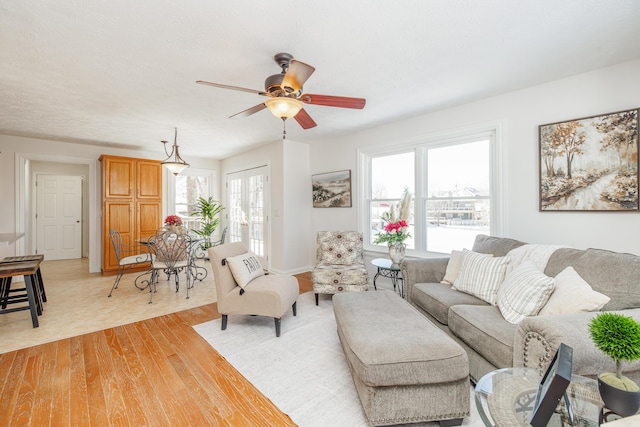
[172, 222]
[394, 235]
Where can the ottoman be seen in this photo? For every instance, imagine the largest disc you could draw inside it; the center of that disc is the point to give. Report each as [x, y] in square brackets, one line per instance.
[405, 369]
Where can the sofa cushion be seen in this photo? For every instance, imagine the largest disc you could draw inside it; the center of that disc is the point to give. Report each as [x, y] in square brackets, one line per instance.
[436, 298]
[572, 295]
[614, 274]
[453, 268]
[524, 292]
[497, 246]
[481, 275]
[484, 329]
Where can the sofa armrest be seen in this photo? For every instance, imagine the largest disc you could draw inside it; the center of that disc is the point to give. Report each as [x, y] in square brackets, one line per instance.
[426, 270]
[538, 338]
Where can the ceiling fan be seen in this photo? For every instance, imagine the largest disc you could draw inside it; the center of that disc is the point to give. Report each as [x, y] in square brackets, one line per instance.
[284, 93]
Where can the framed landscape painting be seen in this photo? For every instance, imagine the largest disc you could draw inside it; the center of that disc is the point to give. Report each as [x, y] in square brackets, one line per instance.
[332, 189]
[590, 164]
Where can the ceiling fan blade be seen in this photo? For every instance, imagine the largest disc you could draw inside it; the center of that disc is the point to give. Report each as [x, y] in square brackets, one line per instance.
[304, 119]
[297, 74]
[333, 101]
[242, 89]
[250, 111]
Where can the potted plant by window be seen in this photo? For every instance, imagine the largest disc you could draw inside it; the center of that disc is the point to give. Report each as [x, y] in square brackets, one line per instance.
[618, 336]
[208, 210]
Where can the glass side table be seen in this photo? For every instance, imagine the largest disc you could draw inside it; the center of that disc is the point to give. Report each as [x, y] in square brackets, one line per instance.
[505, 398]
[387, 269]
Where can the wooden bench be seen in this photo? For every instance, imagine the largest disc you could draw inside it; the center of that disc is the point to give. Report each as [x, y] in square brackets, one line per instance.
[30, 294]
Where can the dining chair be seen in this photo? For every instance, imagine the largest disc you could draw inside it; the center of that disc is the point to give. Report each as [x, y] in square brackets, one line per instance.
[128, 256]
[172, 249]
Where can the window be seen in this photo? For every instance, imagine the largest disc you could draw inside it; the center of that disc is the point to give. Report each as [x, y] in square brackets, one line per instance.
[452, 182]
[188, 187]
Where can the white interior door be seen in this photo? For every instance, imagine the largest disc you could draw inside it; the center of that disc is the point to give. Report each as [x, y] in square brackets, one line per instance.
[247, 197]
[59, 216]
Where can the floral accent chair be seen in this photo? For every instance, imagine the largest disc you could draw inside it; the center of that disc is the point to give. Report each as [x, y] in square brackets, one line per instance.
[339, 263]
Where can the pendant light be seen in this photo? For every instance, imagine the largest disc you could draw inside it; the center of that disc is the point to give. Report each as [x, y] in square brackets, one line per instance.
[174, 162]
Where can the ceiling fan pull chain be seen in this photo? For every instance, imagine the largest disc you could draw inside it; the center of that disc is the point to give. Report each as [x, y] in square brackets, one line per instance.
[284, 128]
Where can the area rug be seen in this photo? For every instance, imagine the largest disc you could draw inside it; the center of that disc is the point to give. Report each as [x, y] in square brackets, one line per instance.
[304, 371]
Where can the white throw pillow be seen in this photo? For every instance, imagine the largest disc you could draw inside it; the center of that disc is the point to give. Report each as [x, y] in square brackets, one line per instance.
[524, 292]
[481, 275]
[245, 268]
[453, 268]
[573, 295]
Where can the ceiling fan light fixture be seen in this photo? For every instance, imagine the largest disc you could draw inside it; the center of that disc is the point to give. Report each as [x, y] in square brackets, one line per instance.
[174, 162]
[283, 107]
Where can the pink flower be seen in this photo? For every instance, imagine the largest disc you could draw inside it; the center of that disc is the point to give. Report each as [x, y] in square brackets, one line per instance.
[173, 220]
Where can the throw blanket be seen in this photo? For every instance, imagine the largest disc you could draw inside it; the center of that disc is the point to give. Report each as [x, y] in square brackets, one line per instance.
[539, 254]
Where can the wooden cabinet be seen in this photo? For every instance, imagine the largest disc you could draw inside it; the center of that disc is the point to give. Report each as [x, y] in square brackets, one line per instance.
[131, 202]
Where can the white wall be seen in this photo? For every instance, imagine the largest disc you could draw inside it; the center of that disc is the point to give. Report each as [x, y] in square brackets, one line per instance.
[290, 222]
[13, 148]
[520, 113]
[297, 202]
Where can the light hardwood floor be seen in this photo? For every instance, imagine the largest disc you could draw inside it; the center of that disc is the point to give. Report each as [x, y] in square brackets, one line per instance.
[154, 372]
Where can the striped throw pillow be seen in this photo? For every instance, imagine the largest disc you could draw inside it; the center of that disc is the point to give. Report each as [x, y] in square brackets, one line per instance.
[524, 292]
[481, 275]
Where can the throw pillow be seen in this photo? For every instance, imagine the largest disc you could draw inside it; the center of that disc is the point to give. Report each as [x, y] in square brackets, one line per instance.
[572, 295]
[524, 292]
[339, 248]
[245, 268]
[481, 275]
[453, 268]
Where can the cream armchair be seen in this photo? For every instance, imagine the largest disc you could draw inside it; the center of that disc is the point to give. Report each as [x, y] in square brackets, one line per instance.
[339, 263]
[266, 295]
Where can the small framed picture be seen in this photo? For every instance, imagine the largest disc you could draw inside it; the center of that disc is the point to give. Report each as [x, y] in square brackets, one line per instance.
[552, 387]
[332, 189]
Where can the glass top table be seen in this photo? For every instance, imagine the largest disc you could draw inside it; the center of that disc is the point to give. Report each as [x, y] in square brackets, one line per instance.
[505, 398]
[392, 271]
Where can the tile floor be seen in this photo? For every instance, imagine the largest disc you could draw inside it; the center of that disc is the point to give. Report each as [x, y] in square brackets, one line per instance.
[77, 303]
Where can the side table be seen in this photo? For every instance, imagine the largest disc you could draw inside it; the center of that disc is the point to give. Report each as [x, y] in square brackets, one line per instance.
[505, 398]
[392, 271]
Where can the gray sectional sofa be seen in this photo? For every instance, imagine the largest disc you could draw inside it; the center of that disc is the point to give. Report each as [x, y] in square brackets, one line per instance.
[492, 343]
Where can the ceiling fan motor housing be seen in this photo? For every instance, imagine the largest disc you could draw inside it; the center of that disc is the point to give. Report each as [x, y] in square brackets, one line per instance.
[272, 84]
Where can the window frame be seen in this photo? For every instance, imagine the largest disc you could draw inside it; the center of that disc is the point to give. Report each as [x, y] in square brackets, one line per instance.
[492, 131]
[170, 199]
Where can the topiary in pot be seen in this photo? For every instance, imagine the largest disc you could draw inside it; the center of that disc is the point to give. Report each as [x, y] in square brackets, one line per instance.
[617, 336]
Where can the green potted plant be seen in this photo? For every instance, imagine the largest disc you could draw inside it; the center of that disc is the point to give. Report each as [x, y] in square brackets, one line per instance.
[617, 336]
[208, 210]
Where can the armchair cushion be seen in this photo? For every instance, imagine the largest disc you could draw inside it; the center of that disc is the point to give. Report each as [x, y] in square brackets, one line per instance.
[245, 268]
[339, 248]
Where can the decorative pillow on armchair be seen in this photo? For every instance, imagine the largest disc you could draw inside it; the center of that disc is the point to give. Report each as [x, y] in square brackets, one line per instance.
[342, 248]
[245, 268]
[481, 275]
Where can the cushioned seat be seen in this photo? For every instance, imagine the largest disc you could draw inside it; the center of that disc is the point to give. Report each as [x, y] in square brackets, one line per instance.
[339, 263]
[265, 295]
[404, 367]
[438, 297]
[484, 328]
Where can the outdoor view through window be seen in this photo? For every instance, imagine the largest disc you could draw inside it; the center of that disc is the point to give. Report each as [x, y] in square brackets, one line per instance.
[455, 202]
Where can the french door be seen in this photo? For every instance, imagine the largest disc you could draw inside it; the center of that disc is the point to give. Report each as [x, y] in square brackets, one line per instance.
[247, 200]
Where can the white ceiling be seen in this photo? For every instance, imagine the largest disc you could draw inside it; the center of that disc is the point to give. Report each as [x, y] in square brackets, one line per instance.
[123, 72]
